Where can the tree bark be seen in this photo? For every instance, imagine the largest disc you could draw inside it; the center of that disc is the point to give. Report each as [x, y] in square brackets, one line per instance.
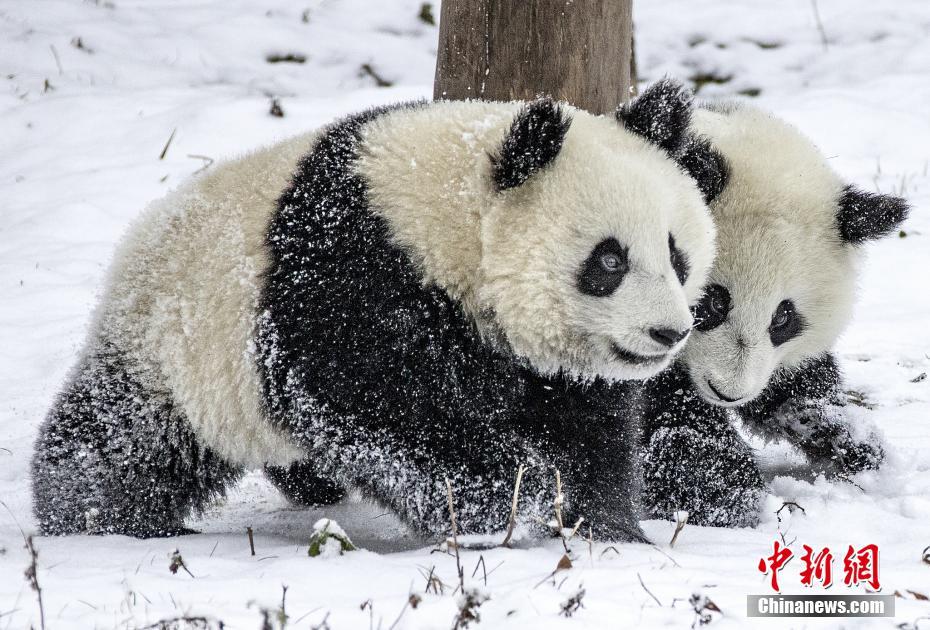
[577, 51]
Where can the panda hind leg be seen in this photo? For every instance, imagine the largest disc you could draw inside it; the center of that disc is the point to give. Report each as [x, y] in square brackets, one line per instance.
[302, 485]
[115, 456]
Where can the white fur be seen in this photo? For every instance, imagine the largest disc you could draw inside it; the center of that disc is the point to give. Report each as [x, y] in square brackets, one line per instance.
[777, 239]
[512, 258]
[184, 293]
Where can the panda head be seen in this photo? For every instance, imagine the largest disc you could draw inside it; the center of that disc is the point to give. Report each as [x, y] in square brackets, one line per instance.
[789, 235]
[595, 243]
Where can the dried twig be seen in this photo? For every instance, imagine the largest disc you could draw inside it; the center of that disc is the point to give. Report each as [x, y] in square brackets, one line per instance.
[164, 151]
[513, 507]
[484, 568]
[791, 505]
[433, 582]
[468, 608]
[925, 555]
[32, 576]
[57, 60]
[177, 562]
[643, 584]
[659, 549]
[823, 33]
[681, 519]
[571, 605]
[207, 162]
[32, 571]
[248, 530]
[455, 541]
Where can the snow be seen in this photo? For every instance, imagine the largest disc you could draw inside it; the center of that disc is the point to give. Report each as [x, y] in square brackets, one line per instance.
[79, 161]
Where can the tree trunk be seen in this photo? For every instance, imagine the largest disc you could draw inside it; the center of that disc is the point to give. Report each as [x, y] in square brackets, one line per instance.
[573, 50]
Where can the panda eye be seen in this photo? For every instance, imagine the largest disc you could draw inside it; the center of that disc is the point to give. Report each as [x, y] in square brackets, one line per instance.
[603, 271]
[713, 308]
[786, 323]
[610, 263]
[782, 316]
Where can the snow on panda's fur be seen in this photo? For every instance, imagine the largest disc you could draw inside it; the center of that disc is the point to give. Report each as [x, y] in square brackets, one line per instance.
[441, 290]
[789, 235]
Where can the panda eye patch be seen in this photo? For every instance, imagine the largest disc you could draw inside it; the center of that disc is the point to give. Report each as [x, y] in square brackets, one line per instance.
[679, 260]
[604, 269]
[786, 323]
[713, 308]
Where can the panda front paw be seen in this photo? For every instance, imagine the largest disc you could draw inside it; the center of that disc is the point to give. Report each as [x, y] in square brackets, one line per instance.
[857, 457]
[712, 477]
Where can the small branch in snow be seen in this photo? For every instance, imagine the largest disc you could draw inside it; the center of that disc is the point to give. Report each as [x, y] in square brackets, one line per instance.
[571, 605]
[791, 505]
[207, 162]
[643, 584]
[177, 562]
[32, 571]
[484, 568]
[433, 582]
[823, 33]
[276, 110]
[57, 60]
[681, 519]
[248, 530]
[659, 549]
[32, 576]
[925, 555]
[164, 151]
[513, 507]
[367, 69]
[455, 541]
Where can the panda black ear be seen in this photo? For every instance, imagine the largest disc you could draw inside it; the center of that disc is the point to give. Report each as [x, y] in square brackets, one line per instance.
[864, 216]
[661, 114]
[533, 142]
[705, 165]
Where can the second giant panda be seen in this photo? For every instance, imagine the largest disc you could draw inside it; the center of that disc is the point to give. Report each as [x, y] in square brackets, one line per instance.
[790, 237]
[419, 293]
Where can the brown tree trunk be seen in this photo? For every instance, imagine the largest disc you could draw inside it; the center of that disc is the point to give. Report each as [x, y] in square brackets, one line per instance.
[573, 50]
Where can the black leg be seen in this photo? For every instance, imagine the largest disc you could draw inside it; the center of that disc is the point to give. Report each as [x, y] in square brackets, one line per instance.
[115, 457]
[805, 406]
[303, 485]
[694, 460]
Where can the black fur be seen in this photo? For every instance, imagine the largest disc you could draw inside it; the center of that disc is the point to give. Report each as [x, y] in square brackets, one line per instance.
[661, 114]
[705, 165]
[534, 141]
[864, 216]
[300, 483]
[598, 280]
[390, 389]
[693, 459]
[115, 456]
[679, 260]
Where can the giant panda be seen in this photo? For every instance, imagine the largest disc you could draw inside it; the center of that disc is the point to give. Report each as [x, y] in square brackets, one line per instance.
[790, 240]
[414, 294]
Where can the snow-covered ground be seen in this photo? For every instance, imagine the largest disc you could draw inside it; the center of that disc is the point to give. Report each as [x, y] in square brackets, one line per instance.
[91, 93]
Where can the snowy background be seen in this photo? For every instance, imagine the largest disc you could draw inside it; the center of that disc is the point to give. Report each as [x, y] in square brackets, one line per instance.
[91, 91]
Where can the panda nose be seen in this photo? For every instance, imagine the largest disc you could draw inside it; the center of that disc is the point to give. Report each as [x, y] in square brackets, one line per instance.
[668, 337]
